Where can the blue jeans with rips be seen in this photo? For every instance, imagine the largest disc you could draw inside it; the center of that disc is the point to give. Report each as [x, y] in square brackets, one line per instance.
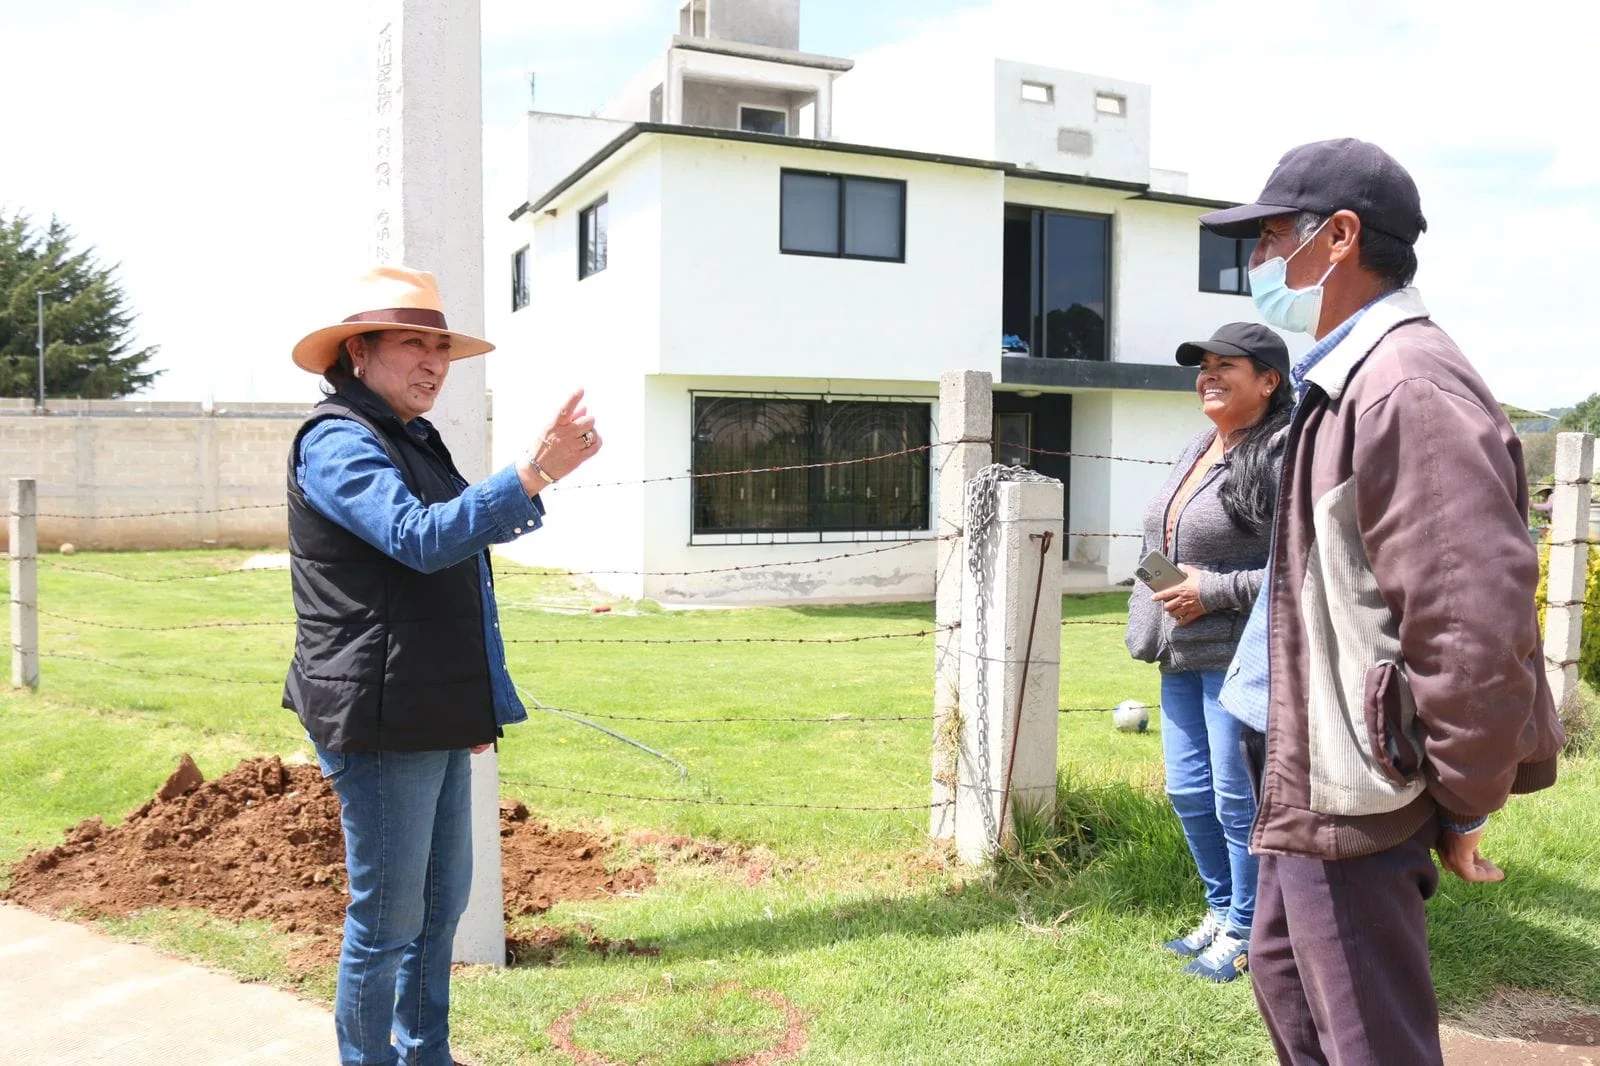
[407, 820]
[1209, 787]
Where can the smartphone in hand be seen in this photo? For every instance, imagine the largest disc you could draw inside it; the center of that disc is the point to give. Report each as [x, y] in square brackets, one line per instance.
[1159, 572]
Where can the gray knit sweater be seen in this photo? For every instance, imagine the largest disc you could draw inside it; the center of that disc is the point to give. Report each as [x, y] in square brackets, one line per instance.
[1234, 563]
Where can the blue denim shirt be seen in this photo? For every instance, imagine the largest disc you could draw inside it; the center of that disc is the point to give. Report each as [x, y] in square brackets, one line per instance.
[1244, 690]
[348, 477]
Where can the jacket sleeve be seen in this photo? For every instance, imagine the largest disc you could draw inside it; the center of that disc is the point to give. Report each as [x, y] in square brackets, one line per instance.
[1439, 509]
[1237, 590]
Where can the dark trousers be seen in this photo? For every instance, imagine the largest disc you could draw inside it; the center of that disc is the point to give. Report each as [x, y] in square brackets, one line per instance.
[1339, 957]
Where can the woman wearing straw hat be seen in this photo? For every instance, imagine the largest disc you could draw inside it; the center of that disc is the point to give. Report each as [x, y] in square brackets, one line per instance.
[399, 670]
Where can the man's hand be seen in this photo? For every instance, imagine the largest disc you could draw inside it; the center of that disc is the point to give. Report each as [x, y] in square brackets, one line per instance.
[1182, 602]
[1458, 853]
[479, 749]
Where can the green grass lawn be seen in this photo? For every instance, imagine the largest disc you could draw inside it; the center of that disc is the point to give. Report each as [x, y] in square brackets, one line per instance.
[890, 954]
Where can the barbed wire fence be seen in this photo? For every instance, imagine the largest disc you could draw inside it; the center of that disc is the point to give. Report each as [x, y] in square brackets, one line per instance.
[1567, 601]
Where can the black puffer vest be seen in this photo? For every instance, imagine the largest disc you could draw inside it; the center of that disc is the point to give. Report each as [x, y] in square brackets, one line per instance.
[386, 658]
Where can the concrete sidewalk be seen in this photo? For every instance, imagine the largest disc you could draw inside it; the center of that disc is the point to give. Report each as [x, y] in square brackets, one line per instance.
[69, 995]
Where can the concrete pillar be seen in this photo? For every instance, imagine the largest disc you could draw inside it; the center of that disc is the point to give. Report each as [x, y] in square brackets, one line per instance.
[966, 413]
[1010, 657]
[1569, 563]
[24, 546]
[428, 215]
[824, 112]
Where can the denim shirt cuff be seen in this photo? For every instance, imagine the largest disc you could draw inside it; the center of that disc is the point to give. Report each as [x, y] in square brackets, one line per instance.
[514, 511]
[1463, 828]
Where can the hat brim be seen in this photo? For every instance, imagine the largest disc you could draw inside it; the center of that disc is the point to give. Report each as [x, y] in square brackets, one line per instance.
[320, 350]
[1193, 353]
[1243, 222]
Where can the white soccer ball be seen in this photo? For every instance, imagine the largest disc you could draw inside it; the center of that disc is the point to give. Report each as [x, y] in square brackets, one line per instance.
[68, 549]
[1131, 716]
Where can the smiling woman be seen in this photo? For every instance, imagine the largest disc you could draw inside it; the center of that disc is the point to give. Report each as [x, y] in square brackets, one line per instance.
[399, 671]
[1212, 519]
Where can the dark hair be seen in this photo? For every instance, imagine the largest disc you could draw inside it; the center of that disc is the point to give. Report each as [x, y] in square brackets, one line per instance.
[1391, 258]
[343, 370]
[1377, 252]
[1249, 491]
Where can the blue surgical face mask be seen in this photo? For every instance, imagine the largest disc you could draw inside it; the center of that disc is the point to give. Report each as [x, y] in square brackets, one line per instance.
[1294, 310]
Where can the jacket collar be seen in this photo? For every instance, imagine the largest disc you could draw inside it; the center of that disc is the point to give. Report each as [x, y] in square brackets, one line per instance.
[356, 394]
[1336, 369]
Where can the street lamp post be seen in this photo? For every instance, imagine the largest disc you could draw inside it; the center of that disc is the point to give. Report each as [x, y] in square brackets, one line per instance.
[41, 294]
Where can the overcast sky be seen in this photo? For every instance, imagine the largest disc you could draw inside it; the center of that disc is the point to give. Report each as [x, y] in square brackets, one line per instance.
[217, 150]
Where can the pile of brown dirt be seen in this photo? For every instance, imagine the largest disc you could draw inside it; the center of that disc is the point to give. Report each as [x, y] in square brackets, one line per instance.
[263, 841]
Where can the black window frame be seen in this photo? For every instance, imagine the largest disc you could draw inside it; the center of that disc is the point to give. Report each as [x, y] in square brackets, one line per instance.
[816, 505]
[1243, 249]
[586, 228]
[519, 279]
[840, 182]
[1037, 219]
[742, 108]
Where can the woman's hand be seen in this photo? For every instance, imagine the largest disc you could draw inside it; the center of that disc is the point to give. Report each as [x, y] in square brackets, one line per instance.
[1182, 602]
[569, 441]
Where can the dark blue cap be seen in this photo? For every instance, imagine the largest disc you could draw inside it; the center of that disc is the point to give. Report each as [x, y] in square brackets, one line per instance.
[1240, 338]
[1328, 176]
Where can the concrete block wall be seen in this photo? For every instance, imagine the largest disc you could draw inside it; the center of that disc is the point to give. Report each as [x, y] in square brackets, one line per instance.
[96, 459]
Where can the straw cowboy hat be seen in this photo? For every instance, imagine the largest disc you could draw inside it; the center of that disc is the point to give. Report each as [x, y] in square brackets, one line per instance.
[397, 298]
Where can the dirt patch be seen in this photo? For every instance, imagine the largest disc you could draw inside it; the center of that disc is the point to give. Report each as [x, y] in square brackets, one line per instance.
[1517, 1028]
[264, 842]
[544, 946]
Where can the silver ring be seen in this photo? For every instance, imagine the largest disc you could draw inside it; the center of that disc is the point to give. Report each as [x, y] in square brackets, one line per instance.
[588, 440]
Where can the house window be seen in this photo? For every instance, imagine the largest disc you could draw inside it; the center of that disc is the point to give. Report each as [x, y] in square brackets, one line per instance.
[842, 216]
[592, 240]
[1225, 264]
[1111, 104]
[1056, 284]
[1038, 92]
[519, 278]
[742, 433]
[763, 120]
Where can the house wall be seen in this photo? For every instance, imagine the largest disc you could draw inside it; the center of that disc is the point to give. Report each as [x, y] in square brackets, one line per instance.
[560, 144]
[716, 105]
[601, 334]
[1028, 133]
[733, 304]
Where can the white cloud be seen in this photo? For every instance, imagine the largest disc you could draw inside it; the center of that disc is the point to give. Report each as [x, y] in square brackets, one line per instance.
[1489, 114]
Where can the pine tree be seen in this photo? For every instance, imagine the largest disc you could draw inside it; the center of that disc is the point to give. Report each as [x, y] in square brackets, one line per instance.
[87, 323]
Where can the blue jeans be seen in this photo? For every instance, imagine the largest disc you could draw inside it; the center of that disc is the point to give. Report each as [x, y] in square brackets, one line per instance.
[407, 820]
[1210, 790]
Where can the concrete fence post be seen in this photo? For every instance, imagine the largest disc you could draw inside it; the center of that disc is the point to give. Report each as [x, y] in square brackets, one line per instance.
[24, 582]
[966, 423]
[1569, 563]
[427, 184]
[1010, 656]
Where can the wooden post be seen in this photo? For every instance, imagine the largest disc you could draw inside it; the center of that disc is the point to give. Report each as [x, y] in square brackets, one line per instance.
[24, 583]
[1569, 563]
[966, 415]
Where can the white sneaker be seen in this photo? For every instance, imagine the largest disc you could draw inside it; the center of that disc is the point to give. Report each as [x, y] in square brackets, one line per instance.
[1192, 943]
[1227, 956]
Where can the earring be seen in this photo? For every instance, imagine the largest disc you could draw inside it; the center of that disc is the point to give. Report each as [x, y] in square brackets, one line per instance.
[360, 372]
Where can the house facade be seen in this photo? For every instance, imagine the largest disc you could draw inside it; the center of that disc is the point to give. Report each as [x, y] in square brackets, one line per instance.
[740, 290]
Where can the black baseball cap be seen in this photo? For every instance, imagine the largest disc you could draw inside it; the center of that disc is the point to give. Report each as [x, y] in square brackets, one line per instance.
[1328, 176]
[1240, 338]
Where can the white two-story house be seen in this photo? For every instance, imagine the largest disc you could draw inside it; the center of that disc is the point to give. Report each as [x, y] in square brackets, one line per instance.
[738, 289]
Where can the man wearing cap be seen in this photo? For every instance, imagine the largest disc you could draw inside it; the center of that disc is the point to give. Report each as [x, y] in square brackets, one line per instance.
[1391, 676]
[399, 670]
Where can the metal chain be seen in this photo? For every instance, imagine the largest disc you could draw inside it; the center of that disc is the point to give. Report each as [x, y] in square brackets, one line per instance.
[982, 501]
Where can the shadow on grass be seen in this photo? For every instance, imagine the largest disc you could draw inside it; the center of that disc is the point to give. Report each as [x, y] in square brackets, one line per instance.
[1535, 931]
[1113, 847]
